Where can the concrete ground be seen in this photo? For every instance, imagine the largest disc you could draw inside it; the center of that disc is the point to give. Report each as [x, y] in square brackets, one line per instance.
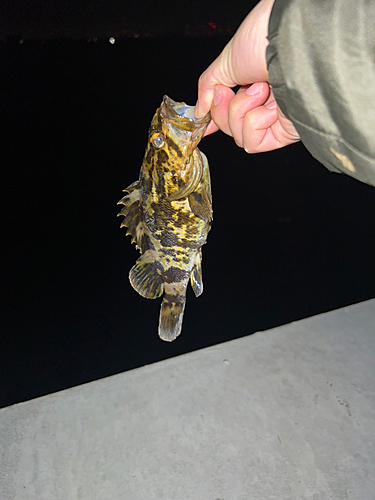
[284, 414]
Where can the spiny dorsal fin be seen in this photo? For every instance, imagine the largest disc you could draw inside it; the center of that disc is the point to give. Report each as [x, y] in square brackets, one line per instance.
[132, 213]
[196, 280]
[132, 187]
[170, 319]
[144, 277]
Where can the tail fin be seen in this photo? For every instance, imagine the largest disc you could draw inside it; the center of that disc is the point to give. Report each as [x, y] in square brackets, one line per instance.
[170, 320]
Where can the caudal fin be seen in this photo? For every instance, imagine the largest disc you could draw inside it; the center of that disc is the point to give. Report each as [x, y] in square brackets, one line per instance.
[170, 320]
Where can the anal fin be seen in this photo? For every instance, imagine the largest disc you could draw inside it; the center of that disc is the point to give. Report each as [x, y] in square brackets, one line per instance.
[144, 277]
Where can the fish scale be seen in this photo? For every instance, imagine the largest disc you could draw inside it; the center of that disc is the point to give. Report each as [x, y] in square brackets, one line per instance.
[168, 212]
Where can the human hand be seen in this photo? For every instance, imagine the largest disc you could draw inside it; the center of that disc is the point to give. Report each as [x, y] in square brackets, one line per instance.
[251, 116]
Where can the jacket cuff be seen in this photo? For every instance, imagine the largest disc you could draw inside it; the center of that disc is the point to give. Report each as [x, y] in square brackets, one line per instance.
[272, 56]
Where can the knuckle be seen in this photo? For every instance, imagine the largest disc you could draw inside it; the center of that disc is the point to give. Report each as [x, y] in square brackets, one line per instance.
[234, 107]
[250, 120]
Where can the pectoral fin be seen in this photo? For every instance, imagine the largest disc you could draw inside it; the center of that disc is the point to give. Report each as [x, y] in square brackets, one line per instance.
[144, 277]
[200, 200]
[196, 280]
[200, 205]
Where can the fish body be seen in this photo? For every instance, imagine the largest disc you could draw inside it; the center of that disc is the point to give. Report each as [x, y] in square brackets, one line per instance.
[168, 212]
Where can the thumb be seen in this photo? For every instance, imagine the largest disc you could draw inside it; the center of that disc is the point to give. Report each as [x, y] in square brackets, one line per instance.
[219, 72]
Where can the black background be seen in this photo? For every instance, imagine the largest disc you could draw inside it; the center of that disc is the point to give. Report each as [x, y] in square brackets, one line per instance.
[289, 238]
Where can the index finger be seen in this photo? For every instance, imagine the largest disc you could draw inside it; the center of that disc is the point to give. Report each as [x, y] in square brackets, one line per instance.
[211, 129]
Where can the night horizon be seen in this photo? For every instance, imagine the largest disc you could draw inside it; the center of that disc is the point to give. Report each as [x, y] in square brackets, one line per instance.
[77, 20]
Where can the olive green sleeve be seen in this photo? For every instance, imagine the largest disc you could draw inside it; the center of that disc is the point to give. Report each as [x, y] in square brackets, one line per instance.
[321, 63]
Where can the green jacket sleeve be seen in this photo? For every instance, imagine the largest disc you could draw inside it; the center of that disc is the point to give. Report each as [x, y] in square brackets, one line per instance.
[321, 63]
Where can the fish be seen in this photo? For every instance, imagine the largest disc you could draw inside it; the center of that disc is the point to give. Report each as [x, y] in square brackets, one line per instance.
[168, 212]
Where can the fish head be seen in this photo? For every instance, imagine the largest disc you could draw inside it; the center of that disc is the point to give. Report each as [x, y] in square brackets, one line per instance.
[174, 135]
[181, 126]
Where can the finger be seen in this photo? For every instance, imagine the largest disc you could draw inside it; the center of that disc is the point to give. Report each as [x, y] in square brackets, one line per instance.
[211, 129]
[223, 97]
[218, 73]
[256, 125]
[264, 131]
[220, 106]
[243, 102]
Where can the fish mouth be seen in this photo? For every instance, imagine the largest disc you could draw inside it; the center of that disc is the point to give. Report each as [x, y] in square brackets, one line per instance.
[184, 128]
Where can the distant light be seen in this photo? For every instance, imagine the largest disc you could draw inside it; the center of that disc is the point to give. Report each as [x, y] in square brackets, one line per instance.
[20, 41]
[112, 40]
[136, 35]
[213, 25]
[95, 39]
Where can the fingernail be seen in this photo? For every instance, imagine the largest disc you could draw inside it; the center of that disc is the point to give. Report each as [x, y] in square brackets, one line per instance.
[217, 96]
[255, 88]
[271, 105]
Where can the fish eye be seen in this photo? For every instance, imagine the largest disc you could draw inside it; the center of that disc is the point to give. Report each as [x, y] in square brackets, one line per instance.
[157, 140]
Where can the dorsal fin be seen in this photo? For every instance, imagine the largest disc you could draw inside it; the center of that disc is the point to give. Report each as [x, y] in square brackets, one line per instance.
[132, 212]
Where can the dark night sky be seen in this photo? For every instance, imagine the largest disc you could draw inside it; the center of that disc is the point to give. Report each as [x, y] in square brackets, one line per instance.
[289, 239]
[65, 18]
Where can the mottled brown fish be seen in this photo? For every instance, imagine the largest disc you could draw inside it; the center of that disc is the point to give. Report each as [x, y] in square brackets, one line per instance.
[168, 212]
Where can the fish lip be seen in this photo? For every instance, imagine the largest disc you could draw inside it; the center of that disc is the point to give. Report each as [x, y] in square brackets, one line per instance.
[180, 115]
[182, 111]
